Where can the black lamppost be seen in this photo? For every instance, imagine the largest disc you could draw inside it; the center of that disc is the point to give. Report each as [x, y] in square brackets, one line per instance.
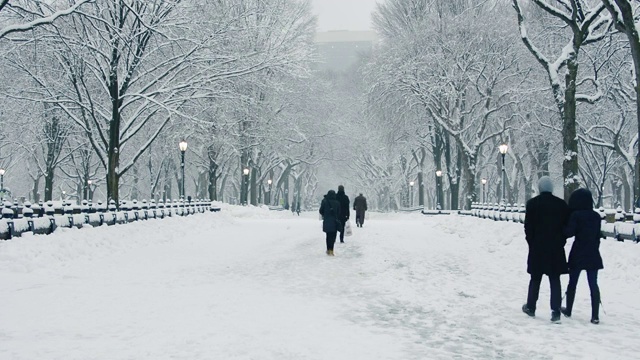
[411, 183]
[2, 171]
[89, 182]
[246, 171]
[183, 149]
[270, 182]
[438, 185]
[484, 193]
[503, 151]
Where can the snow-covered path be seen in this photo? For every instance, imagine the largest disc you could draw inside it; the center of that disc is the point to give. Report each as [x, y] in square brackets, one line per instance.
[252, 284]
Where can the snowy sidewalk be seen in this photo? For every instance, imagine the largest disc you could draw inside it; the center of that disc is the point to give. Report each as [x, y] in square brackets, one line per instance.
[252, 284]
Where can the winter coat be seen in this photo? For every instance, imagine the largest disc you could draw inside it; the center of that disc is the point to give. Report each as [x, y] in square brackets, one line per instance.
[360, 204]
[343, 199]
[544, 220]
[584, 224]
[330, 211]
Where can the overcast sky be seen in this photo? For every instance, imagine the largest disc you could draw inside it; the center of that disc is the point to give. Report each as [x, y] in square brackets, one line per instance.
[343, 14]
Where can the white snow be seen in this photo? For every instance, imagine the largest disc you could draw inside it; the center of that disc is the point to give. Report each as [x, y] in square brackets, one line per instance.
[247, 283]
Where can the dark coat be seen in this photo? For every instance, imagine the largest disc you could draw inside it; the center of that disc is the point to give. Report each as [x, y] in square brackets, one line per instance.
[360, 204]
[343, 199]
[544, 220]
[330, 211]
[584, 224]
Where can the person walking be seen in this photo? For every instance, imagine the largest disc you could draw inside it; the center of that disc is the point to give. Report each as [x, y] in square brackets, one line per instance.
[330, 212]
[584, 224]
[545, 217]
[343, 199]
[360, 206]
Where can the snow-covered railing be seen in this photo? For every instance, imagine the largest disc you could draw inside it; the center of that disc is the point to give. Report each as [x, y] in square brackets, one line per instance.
[616, 224]
[439, 212]
[411, 209]
[39, 219]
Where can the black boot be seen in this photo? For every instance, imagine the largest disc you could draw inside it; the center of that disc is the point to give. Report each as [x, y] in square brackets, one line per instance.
[595, 307]
[571, 296]
[555, 316]
[528, 311]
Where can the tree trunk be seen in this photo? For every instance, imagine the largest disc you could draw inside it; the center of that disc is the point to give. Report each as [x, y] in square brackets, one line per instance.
[470, 180]
[286, 190]
[48, 184]
[113, 153]
[213, 196]
[253, 181]
[626, 202]
[35, 191]
[569, 139]
[420, 188]
[543, 158]
[134, 190]
[223, 184]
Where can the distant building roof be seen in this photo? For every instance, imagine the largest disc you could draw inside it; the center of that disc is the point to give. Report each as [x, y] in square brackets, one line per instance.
[346, 36]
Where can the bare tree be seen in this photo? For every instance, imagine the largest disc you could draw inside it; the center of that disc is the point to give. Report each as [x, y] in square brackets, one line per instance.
[625, 18]
[587, 25]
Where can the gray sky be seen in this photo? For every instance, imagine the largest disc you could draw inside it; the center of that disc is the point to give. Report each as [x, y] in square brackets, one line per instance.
[343, 14]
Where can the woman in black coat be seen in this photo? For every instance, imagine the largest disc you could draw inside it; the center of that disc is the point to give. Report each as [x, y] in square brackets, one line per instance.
[330, 211]
[584, 224]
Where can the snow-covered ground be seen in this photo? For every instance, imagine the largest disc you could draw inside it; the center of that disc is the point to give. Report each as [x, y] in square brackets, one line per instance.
[246, 283]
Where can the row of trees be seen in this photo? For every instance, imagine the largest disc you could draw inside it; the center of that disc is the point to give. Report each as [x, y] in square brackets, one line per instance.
[102, 91]
[556, 80]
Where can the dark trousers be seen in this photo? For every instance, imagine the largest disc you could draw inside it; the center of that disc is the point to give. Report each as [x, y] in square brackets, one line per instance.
[359, 217]
[592, 278]
[534, 291]
[341, 230]
[331, 239]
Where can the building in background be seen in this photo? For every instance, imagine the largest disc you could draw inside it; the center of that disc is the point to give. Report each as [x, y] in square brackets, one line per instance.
[341, 49]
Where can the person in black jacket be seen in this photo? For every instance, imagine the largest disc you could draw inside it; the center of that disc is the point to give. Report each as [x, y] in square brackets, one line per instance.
[584, 224]
[330, 211]
[360, 206]
[343, 199]
[544, 220]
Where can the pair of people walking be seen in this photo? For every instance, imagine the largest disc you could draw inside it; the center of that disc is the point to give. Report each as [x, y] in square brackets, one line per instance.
[335, 214]
[549, 221]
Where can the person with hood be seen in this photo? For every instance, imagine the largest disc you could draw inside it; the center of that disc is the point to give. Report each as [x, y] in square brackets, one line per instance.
[545, 217]
[330, 212]
[584, 224]
[343, 199]
[360, 206]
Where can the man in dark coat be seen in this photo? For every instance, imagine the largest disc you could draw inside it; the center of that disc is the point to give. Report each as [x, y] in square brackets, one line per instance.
[360, 206]
[330, 212]
[343, 199]
[584, 224]
[544, 220]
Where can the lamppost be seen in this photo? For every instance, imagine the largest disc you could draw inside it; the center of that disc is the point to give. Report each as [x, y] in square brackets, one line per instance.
[64, 195]
[269, 198]
[2, 171]
[89, 182]
[411, 183]
[245, 171]
[438, 181]
[503, 151]
[183, 149]
[484, 190]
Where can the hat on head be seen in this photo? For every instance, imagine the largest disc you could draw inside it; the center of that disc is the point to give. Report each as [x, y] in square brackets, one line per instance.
[545, 184]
